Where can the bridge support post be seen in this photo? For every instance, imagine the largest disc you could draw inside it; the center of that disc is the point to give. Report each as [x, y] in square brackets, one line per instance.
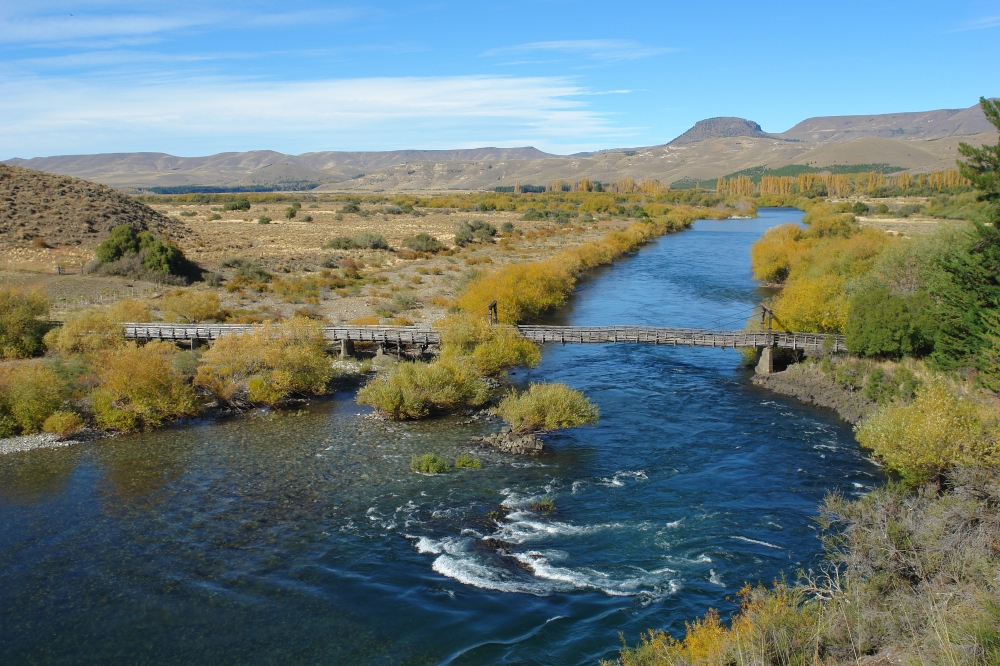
[346, 348]
[766, 364]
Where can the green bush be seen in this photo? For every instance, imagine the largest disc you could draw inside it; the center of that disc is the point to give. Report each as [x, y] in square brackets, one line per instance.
[546, 407]
[290, 212]
[467, 461]
[22, 322]
[241, 203]
[429, 464]
[423, 243]
[163, 258]
[880, 324]
[122, 240]
[214, 216]
[545, 505]
[363, 241]
[263, 219]
[860, 208]
[350, 207]
[507, 227]
[474, 230]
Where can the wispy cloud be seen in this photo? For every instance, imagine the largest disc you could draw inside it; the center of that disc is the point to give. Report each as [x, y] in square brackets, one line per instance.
[605, 50]
[979, 24]
[60, 116]
[51, 24]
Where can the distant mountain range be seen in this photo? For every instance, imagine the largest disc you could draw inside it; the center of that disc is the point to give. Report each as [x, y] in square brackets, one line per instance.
[713, 147]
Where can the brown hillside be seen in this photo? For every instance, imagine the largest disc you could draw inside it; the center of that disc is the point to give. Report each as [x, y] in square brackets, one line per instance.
[66, 211]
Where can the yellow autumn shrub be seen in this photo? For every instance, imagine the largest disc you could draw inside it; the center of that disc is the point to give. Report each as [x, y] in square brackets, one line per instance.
[29, 393]
[267, 365]
[139, 388]
[491, 349]
[189, 305]
[415, 390]
[546, 407]
[940, 429]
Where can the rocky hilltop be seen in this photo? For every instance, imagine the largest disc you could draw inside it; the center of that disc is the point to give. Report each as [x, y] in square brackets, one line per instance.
[719, 128]
[62, 210]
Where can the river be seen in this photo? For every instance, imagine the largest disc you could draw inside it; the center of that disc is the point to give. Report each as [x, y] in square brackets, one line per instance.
[303, 538]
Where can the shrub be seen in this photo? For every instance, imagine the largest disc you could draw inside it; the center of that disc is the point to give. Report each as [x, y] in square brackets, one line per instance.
[263, 219]
[64, 424]
[350, 207]
[213, 279]
[267, 365]
[362, 241]
[939, 430]
[139, 388]
[122, 240]
[474, 230]
[414, 390]
[241, 203]
[546, 407]
[546, 504]
[491, 349]
[507, 227]
[371, 241]
[880, 324]
[429, 464]
[290, 212]
[214, 216]
[860, 208]
[162, 257]
[22, 325]
[423, 243]
[466, 460]
[29, 394]
[186, 306]
[86, 332]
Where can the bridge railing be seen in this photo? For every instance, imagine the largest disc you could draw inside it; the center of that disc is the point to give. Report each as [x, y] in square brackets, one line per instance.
[424, 336]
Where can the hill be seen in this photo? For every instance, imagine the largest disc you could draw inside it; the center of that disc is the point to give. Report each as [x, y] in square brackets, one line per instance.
[719, 128]
[66, 211]
[712, 148]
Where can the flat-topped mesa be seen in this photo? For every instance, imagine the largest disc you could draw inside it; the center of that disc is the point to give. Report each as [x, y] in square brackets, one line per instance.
[720, 128]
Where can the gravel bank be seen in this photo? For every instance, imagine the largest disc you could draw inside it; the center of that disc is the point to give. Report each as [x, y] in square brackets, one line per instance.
[45, 440]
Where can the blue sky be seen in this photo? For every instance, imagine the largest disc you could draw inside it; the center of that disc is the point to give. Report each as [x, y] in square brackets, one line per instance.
[196, 78]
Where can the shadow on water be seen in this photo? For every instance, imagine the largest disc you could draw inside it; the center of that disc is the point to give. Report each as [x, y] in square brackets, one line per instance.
[306, 539]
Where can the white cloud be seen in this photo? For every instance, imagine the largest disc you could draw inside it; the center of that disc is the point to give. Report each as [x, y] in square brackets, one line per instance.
[606, 50]
[62, 116]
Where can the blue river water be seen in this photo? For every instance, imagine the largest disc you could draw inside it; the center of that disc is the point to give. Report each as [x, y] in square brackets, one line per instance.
[304, 538]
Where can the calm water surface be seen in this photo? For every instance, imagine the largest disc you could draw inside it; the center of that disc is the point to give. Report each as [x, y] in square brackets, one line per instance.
[306, 540]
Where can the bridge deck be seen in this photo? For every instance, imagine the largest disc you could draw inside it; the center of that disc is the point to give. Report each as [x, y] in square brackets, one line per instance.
[420, 336]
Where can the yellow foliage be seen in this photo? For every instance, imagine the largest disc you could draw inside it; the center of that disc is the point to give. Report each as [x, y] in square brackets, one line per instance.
[86, 332]
[940, 429]
[29, 394]
[491, 349]
[524, 291]
[21, 322]
[130, 310]
[188, 305]
[267, 365]
[64, 424]
[546, 407]
[812, 304]
[415, 390]
[139, 388]
[771, 256]
[370, 320]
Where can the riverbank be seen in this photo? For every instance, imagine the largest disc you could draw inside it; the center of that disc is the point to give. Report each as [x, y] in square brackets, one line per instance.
[807, 383]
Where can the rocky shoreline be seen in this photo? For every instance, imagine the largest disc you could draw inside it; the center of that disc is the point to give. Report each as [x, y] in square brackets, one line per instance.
[807, 383]
[510, 442]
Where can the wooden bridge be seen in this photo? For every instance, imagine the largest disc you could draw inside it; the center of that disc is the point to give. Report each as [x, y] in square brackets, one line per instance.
[415, 336]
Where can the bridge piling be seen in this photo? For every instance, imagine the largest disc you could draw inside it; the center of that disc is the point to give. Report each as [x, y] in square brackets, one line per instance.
[766, 364]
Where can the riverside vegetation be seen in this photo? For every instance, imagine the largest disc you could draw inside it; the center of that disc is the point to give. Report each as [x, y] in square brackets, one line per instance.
[90, 374]
[911, 574]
